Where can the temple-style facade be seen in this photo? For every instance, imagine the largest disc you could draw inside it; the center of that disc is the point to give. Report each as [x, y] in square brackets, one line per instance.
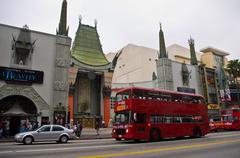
[90, 78]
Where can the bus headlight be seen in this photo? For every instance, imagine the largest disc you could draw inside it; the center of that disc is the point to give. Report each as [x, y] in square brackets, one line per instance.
[126, 130]
[114, 131]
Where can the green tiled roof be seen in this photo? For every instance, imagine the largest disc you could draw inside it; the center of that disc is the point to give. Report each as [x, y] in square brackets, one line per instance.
[87, 48]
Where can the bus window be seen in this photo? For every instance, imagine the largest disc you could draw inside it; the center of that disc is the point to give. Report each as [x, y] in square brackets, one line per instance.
[166, 97]
[156, 118]
[235, 119]
[139, 117]
[225, 118]
[187, 99]
[230, 118]
[177, 98]
[137, 94]
[123, 95]
[153, 95]
[168, 119]
[187, 119]
[177, 119]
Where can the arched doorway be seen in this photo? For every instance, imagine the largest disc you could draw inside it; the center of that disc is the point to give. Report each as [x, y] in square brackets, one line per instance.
[17, 113]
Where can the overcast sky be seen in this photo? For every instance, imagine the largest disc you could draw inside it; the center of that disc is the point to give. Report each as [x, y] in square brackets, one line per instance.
[213, 23]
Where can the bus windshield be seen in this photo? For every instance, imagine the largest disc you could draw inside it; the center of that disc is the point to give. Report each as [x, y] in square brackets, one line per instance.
[122, 117]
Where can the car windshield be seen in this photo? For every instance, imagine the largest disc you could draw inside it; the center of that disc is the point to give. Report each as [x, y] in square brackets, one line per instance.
[122, 117]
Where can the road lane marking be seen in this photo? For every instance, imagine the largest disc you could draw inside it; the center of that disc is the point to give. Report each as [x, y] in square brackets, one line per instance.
[70, 148]
[5, 152]
[161, 149]
[223, 136]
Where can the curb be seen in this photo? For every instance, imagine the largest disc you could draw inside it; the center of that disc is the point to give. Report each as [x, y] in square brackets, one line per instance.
[81, 138]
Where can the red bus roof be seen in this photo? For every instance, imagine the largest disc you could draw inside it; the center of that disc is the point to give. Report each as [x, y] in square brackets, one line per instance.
[159, 90]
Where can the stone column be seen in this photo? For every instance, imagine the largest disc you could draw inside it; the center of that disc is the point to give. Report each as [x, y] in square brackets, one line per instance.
[164, 73]
[62, 61]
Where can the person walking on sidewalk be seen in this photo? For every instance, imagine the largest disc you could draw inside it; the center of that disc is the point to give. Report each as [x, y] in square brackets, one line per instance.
[79, 129]
[97, 127]
[75, 129]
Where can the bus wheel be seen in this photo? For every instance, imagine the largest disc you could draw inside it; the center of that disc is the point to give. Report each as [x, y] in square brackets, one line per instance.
[197, 132]
[136, 140]
[118, 139]
[154, 135]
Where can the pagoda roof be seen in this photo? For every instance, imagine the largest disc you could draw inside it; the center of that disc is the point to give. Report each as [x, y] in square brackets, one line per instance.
[87, 48]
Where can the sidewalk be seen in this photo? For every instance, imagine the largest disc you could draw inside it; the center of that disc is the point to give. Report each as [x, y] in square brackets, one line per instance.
[90, 133]
[87, 133]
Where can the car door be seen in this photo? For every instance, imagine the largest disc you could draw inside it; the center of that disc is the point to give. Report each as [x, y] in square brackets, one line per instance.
[56, 132]
[42, 133]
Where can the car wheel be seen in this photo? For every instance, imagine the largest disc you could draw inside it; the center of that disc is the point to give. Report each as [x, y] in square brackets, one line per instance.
[64, 139]
[28, 140]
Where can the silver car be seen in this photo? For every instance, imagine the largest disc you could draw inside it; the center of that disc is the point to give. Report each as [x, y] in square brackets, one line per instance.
[46, 133]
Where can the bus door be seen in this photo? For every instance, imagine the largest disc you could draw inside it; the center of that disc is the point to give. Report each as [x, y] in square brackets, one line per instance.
[140, 125]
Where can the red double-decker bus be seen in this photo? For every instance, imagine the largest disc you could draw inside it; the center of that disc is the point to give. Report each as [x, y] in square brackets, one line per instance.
[231, 119]
[152, 114]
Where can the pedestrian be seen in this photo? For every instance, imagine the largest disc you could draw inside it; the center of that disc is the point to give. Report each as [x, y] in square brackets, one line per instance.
[30, 127]
[97, 127]
[75, 129]
[67, 125]
[35, 125]
[1, 128]
[4, 129]
[79, 129]
[103, 124]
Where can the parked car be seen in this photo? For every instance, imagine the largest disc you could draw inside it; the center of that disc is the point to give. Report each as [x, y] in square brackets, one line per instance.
[46, 133]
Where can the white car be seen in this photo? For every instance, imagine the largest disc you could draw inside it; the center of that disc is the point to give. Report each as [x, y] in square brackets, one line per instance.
[46, 133]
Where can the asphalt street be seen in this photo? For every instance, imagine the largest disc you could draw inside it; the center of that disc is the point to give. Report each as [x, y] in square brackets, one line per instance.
[214, 145]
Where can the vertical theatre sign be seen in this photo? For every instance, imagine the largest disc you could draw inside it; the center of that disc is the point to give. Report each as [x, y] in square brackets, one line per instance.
[225, 95]
[21, 76]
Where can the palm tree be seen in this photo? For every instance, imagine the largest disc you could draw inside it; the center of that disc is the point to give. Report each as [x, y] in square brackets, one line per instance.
[234, 69]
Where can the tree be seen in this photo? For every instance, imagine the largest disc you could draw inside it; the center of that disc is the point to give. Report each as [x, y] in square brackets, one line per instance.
[234, 69]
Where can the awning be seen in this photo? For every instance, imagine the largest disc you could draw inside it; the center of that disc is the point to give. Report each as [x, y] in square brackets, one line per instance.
[15, 110]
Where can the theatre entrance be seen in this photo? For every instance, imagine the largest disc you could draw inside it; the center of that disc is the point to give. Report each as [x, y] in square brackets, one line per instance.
[17, 113]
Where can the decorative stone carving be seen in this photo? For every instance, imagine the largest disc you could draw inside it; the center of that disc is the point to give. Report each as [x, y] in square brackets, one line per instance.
[26, 91]
[60, 85]
[185, 75]
[106, 91]
[61, 62]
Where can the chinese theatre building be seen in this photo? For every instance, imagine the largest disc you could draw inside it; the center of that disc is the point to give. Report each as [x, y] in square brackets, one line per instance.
[90, 79]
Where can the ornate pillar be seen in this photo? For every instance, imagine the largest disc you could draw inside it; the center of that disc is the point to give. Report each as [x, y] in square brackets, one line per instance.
[60, 89]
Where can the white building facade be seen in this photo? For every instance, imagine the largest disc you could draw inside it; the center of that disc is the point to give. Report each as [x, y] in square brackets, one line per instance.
[33, 76]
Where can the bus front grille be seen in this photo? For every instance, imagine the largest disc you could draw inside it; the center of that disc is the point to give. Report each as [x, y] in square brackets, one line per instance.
[120, 131]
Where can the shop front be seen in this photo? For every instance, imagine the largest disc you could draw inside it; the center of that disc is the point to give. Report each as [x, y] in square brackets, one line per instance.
[213, 111]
